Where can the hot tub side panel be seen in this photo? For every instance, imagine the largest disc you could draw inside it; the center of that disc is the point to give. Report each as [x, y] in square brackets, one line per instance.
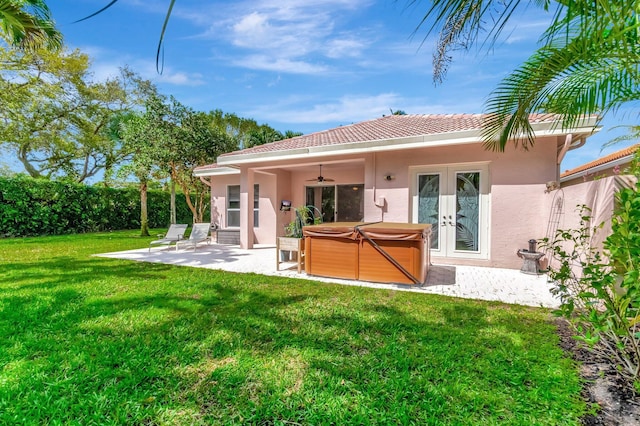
[375, 267]
[331, 257]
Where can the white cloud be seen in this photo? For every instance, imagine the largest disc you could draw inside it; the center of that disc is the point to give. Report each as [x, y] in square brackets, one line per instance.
[346, 109]
[294, 33]
[106, 64]
[346, 47]
[265, 63]
[313, 113]
[251, 30]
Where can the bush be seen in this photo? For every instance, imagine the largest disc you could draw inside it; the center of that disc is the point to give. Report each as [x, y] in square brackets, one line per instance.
[32, 207]
[600, 292]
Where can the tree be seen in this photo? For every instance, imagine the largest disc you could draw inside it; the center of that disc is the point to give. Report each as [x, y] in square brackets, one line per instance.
[262, 135]
[28, 25]
[291, 134]
[55, 118]
[587, 63]
[171, 140]
[145, 139]
[246, 132]
[197, 141]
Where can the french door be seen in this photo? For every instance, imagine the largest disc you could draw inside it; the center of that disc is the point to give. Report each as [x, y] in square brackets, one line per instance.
[454, 200]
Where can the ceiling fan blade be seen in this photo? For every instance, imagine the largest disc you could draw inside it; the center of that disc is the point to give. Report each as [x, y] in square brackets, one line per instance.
[320, 178]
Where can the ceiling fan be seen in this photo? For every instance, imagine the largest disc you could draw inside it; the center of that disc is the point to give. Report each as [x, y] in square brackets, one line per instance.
[320, 178]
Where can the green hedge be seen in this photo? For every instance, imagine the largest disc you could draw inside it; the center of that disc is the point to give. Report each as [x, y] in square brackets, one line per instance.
[31, 207]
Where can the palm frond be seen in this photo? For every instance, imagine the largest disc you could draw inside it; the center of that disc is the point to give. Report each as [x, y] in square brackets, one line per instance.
[591, 73]
[28, 25]
[97, 13]
[461, 23]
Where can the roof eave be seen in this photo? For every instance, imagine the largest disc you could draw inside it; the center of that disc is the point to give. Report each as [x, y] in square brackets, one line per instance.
[433, 140]
[217, 171]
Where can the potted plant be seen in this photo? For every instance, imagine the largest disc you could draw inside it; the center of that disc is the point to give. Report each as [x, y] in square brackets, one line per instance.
[302, 216]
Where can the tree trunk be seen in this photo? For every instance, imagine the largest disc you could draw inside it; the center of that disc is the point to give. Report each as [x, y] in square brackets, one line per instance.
[144, 219]
[173, 201]
[187, 196]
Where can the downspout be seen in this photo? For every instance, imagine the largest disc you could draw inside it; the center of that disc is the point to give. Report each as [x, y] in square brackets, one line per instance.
[569, 143]
[565, 148]
[375, 198]
[374, 178]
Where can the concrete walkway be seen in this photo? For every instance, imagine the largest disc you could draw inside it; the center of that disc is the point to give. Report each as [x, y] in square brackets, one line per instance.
[504, 285]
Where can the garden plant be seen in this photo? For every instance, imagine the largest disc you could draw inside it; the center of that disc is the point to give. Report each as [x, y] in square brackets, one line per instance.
[600, 290]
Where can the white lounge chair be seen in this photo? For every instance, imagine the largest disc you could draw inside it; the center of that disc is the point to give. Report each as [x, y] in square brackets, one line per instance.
[173, 235]
[199, 233]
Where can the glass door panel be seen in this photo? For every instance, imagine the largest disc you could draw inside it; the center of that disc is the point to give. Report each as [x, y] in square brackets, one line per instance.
[337, 203]
[467, 211]
[350, 203]
[429, 204]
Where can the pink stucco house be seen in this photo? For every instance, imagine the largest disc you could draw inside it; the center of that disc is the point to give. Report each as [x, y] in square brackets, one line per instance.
[483, 205]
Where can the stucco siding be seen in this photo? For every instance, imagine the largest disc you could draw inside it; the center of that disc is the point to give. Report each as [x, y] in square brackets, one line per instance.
[519, 214]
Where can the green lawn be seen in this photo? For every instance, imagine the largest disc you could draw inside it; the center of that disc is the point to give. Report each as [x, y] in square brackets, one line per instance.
[87, 340]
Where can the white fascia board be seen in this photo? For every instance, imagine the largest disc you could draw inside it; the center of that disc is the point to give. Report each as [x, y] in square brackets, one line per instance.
[218, 171]
[412, 142]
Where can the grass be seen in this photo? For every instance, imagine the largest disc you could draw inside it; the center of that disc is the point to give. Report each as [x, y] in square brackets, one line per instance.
[87, 340]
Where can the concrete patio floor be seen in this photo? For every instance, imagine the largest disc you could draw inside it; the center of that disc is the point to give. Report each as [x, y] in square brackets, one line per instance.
[469, 282]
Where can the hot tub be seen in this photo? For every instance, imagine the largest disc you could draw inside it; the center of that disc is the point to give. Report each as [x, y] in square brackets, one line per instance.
[385, 252]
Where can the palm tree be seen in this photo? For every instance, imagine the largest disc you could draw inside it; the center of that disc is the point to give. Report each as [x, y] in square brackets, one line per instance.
[587, 63]
[27, 24]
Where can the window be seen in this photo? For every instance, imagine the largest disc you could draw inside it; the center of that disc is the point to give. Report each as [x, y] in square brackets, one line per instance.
[256, 205]
[233, 206]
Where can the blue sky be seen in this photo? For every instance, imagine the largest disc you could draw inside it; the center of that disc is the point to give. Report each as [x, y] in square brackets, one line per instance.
[301, 65]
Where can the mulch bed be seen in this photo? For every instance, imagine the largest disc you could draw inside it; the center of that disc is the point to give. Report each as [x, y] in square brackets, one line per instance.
[612, 398]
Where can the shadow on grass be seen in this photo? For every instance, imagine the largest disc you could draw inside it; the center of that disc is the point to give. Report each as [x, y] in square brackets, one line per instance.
[211, 346]
[64, 270]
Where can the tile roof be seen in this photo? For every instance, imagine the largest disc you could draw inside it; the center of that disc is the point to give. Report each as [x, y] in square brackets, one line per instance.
[602, 161]
[384, 128]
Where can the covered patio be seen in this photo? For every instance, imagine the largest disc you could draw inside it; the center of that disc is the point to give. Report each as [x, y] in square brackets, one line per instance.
[469, 282]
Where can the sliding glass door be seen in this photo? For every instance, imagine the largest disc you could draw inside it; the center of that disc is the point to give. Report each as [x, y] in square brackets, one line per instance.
[337, 203]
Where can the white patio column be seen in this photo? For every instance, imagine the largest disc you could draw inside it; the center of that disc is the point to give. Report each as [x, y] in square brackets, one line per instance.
[246, 208]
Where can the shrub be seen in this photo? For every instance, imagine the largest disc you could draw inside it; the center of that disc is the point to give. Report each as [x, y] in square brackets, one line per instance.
[600, 292]
[31, 207]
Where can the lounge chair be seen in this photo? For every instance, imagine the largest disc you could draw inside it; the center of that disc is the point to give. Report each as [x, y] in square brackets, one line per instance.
[173, 235]
[199, 233]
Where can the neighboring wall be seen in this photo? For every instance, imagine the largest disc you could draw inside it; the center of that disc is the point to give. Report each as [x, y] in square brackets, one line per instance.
[598, 195]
